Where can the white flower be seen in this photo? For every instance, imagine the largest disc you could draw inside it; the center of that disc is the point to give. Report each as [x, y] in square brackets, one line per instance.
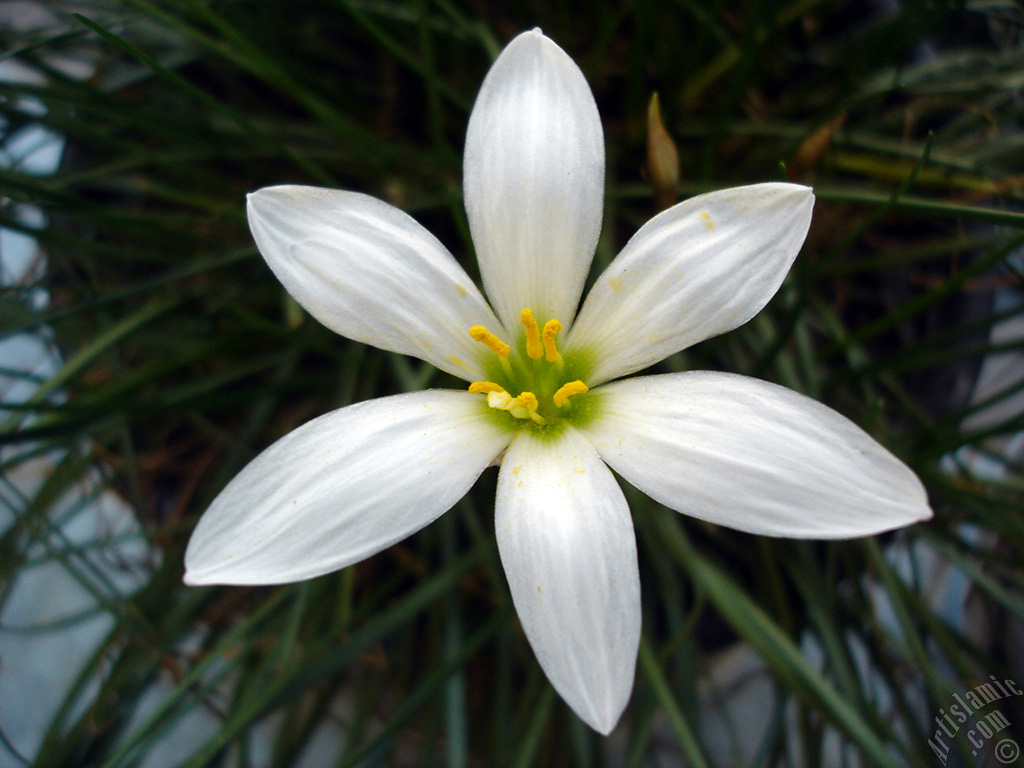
[724, 448]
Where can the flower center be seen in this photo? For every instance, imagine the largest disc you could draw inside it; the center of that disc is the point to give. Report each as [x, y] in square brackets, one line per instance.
[533, 368]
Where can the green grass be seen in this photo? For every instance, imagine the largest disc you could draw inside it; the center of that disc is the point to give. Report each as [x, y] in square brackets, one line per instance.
[184, 357]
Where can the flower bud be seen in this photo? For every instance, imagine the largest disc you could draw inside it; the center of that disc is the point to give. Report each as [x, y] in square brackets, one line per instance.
[662, 157]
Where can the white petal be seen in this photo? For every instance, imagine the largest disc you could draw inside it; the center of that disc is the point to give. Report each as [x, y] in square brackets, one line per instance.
[567, 545]
[753, 456]
[534, 180]
[370, 272]
[694, 271]
[342, 487]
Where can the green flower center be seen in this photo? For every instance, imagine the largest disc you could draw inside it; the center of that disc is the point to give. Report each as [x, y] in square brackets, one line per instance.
[531, 381]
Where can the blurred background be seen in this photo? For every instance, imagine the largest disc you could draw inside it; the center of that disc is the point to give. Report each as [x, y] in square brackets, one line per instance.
[147, 354]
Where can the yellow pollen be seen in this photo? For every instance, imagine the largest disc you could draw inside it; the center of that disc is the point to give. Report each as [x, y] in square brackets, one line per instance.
[568, 390]
[533, 345]
[483, 387]
[551, 329]
[496, 345]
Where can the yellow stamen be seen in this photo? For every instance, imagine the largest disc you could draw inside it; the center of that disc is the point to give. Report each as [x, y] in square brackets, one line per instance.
[483, 387]
[568, 390]
[551, 329]
[525, 407]
[522, 407]
[528, 400]
[496, 345]
[533, 346]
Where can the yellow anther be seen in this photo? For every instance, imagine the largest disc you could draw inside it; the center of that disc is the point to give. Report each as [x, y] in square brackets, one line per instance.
[525, 407]
[522, 407]
[528, 400]
[568, 390]
[533, 345]
[496, 345]
[551, 329]
[483, 387]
